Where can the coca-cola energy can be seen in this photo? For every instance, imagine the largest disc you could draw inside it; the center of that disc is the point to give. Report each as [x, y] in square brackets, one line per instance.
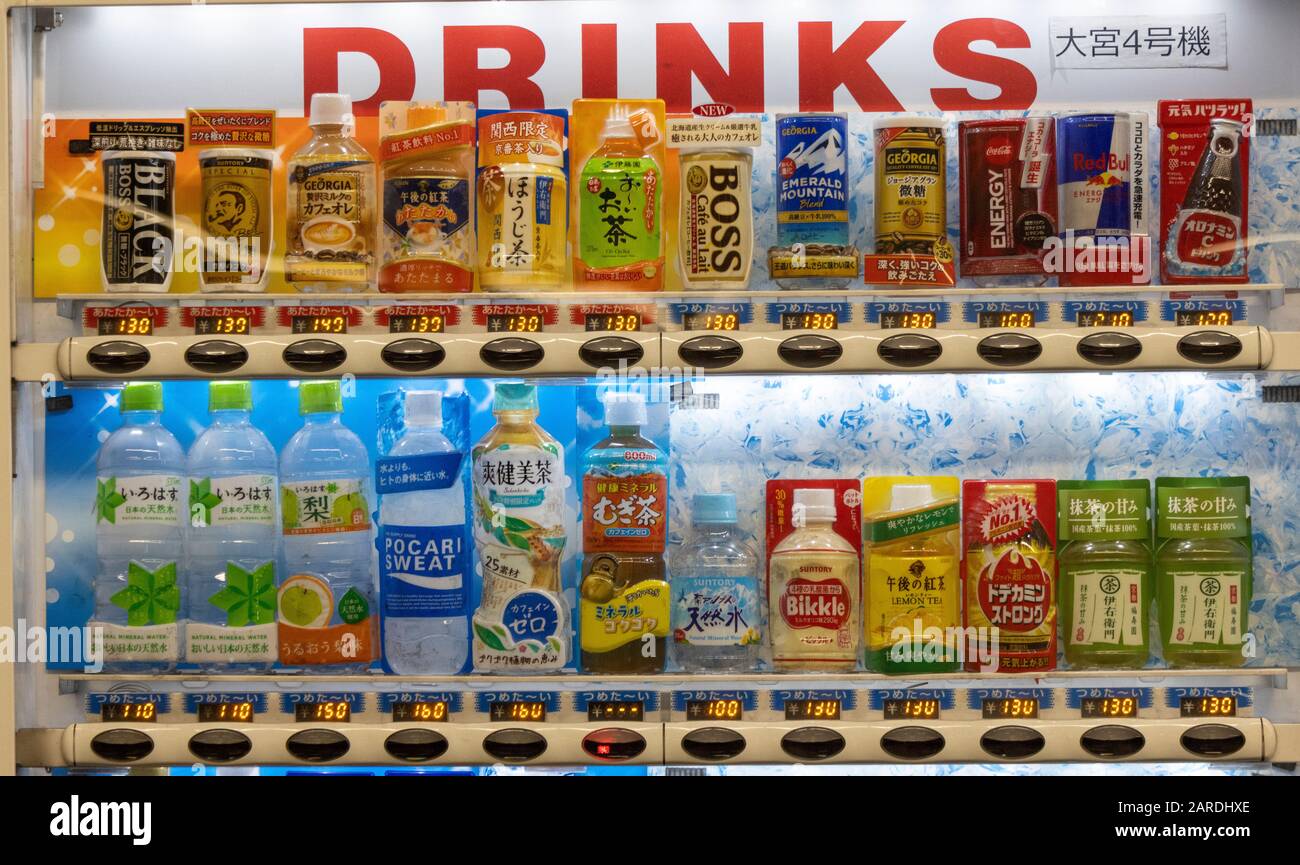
[1008, 195]
[1203, 199]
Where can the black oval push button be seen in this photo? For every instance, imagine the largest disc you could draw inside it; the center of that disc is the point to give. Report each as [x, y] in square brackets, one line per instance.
[1112, 741]
[413, 355]
[812, 743]
[610, 351]
[215, 356]
[1209, 346]
[1009, 349]
[121, 745]
[220, 746]
[1109, 349]
[713, 743]
[515, 745]
[118, 357]
[314, 355]
[416, 745]
[614, 743]
[909, 350]
[1213, 740]
[912, 743]
[810, 350]
[317, 746]
[1012, 743]
[710, 352]
[511, 353]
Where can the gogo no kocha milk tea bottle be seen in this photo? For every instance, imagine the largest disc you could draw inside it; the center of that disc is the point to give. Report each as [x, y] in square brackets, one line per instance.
[1204, 569]
[1105, 563]
[331, 209]
[625, 602]
[522, 622]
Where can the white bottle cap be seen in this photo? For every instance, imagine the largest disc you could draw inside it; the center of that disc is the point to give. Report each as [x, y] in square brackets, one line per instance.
[907, 497]
[818, 505]
[617, 127]
[625, 409]
[330, 108]
[424, 408]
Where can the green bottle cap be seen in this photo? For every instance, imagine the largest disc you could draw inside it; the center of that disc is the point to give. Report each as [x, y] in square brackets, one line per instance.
[515, 396]
[315, 397]
[230, 396]
[141, 396]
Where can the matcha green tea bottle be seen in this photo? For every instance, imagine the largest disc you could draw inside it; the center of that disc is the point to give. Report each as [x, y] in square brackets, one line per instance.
[1105, 572]
[1203, 569]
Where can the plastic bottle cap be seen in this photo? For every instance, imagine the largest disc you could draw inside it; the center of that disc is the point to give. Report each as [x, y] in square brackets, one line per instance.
[141, 396]
[315, 397]
[424, 408]
[330, 108]
[907, 497]
[625, 409]
[714, 508]
[515, 396]
[230, 396]
[818, 505]
[617, 127]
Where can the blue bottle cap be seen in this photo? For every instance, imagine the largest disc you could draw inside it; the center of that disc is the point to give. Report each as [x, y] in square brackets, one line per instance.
[714, 508]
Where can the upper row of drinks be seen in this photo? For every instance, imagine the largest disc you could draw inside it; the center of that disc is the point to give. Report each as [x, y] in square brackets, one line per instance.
[464, 201]
[230, 558]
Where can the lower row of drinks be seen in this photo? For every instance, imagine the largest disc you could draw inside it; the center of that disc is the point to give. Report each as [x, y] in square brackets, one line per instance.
[276, 557]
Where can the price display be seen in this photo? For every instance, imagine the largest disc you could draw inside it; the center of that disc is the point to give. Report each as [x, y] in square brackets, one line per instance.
[530, 710]
[607, 711]
[126, 325]
[209, 712]
[234, 324]
[522, 322]
[1007, 319]
[422, 710]
[138, 712]
[337, 711]
[1108, 707]
[1203, 317]
[413, 323]
[319, 324]
[812, 710]
[1010, 707]
[1207, 707]
[714, 710]
[1105, 318]
[923, 710]
[809, 321]
[913, 320]
[621, 321]
[711, 321]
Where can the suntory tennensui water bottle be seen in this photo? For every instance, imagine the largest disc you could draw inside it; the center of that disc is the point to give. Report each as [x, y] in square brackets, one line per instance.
[139, 523]
[328, 619]
[233, 530]
[422, 556]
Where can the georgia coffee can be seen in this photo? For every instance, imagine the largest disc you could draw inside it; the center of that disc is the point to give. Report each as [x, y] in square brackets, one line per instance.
[911, 185]
[1008, 194]
[1093, 161]
[812, 204]
[137, 241]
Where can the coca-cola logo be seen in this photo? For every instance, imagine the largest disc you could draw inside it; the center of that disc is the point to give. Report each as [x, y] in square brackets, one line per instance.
[1015, 593]
[1208, 239]
[999, 151]
[712, 109]
[815, 604]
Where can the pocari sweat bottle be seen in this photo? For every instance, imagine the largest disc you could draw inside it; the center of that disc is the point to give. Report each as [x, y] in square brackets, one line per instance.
[230, 587]
[328, 621]
[424, 588]
[139, 530]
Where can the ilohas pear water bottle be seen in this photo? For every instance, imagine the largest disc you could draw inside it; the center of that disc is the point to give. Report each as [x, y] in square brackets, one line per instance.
[424, 586]
[139, 525]
[233, 535]
[328, 620]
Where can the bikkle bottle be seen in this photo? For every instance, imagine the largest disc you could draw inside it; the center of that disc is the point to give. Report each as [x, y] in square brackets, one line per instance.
[328, 615]
[232, 541]
[139, 532]
[625, 603]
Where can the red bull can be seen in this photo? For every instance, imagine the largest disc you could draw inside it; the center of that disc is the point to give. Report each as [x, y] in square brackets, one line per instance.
[1094, 174]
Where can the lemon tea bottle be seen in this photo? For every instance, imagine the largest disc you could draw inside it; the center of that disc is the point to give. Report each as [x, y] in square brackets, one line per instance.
[1105, 572]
